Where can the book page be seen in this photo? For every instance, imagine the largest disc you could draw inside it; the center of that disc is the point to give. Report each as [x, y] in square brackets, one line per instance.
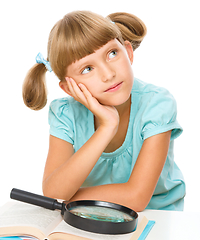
[63, 227]
[15, 214]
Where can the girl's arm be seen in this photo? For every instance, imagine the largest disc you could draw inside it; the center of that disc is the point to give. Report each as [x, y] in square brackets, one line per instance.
[65, 171]
[137, 192]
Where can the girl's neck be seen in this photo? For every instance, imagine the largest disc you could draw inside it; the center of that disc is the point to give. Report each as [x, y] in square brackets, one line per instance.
[124, 108]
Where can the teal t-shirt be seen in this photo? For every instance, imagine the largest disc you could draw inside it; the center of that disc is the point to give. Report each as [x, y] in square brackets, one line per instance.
[153, 111]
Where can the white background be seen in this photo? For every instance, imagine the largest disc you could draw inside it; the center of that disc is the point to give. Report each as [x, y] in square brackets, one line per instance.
[169, 57]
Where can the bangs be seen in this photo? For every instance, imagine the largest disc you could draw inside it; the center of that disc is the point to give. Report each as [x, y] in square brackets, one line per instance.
[77, 35]
[89, 33]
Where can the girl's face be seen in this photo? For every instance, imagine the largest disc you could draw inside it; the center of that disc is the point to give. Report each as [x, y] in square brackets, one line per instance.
[106, 73]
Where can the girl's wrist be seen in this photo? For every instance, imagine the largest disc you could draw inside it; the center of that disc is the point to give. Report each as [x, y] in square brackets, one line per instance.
[108, 129]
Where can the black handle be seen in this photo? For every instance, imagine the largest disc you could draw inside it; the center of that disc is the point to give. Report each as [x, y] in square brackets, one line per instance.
[35, 199]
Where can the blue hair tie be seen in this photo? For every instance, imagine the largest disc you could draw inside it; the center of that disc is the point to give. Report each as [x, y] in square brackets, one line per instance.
[40, 59]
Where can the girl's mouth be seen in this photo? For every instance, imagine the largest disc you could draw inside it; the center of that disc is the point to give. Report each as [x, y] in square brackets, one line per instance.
[114, 87]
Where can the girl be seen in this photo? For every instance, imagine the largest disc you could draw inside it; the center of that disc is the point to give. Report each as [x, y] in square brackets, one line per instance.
[113, 139]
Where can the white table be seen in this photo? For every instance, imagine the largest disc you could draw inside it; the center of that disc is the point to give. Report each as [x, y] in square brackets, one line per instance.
[173, 225]
[170, 225]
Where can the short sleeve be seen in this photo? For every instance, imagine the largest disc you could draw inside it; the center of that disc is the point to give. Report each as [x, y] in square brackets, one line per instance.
[60, 120]
[159, 115]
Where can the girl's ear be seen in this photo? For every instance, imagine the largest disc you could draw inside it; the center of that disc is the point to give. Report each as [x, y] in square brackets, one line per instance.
[129, 50]
[63, 85]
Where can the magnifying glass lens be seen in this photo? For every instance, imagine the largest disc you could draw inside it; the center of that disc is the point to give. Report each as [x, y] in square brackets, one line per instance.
[101, 214]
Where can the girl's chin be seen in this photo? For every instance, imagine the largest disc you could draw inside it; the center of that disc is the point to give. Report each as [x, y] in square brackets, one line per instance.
[114, 102]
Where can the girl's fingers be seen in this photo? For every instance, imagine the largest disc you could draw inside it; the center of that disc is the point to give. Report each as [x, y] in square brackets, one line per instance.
[76, 91]
[84, 90]
[90, 102]
[83, 95]
[72, 87]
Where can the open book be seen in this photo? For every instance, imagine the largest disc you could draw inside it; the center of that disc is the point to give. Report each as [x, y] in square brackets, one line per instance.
[22, 219]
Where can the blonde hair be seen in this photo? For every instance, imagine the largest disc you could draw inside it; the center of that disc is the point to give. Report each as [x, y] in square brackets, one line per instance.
[77, 35]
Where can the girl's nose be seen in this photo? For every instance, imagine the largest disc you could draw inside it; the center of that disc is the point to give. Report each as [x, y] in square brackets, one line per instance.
[107, 72]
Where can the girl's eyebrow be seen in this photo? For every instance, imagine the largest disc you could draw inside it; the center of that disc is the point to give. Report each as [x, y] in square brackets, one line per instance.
[81, 66]
[83, 62]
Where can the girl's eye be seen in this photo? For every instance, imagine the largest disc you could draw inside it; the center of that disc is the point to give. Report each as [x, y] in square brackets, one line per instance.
[87, 70]
[113, 54]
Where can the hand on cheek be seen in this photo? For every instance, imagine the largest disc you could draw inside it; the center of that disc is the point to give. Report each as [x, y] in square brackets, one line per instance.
[107, 115]
[75, 90]
[81, 94]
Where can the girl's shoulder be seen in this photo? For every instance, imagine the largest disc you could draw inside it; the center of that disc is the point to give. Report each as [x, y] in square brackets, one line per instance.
[144, 88]
[149, 94]
[156, 109]
[64, 113]
[67, 106]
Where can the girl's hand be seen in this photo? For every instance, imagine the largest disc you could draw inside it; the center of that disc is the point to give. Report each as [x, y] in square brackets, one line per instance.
[107, 115]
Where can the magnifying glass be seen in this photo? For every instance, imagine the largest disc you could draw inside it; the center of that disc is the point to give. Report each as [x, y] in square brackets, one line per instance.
[89, 215]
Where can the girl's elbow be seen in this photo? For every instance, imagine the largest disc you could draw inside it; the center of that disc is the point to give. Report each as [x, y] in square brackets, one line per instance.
[54, 192]
[138, 206]
[142, 202]
[138, 201]
[48, 191]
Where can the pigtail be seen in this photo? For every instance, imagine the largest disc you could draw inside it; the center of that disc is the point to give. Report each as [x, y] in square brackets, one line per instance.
[131, 27]
[34, 90]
